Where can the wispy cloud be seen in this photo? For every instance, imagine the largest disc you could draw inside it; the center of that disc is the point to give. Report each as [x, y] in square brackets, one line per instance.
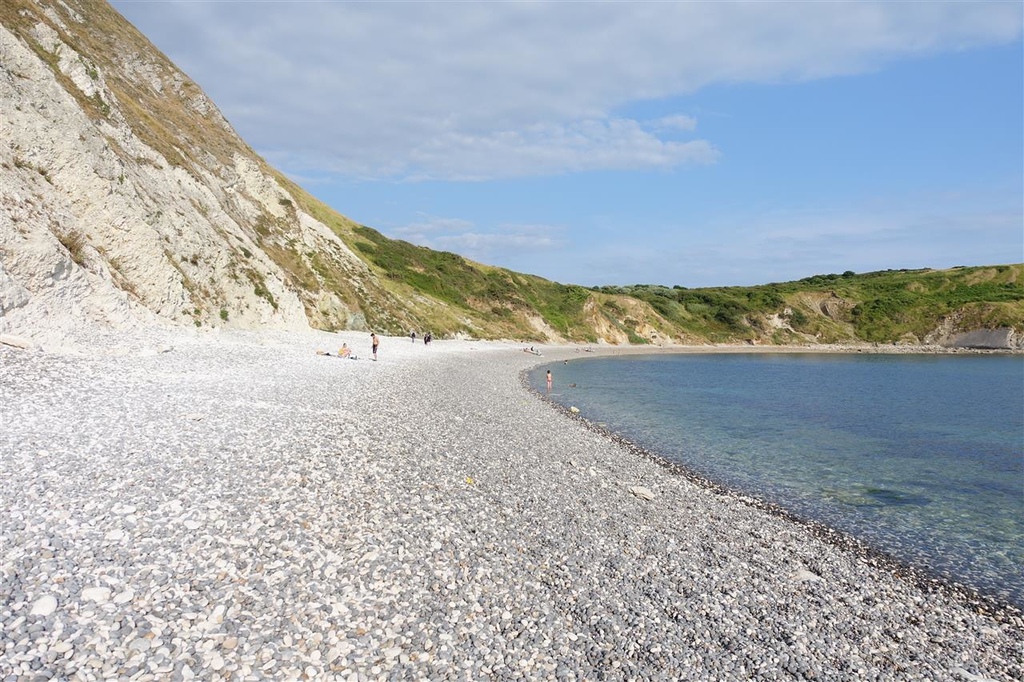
[433, 225]
[492, 245]
[787, 246]
[676, 122]
[336, 93]
[497, 90]
[552, 149]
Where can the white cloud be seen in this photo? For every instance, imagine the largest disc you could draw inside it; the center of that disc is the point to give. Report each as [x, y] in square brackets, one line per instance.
[552, 149]
[485, 90]
[482, 245]
[500, 245]
[433, 225]
[677, 122]
[786, 247]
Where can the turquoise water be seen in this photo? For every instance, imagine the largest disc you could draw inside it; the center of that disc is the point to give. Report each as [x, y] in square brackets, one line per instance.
[920, 456]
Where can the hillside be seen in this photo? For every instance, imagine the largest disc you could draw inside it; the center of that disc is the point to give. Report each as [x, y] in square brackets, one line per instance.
[127, 199]
[970, 306]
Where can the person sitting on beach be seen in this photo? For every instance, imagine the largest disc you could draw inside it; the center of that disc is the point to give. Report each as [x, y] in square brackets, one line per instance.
[343, 352]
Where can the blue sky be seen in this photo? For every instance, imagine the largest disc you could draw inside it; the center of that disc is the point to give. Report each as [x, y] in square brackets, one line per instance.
[688, 143]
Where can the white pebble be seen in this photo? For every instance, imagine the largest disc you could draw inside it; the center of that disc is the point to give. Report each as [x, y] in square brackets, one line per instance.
[100, 595]
[44, 606]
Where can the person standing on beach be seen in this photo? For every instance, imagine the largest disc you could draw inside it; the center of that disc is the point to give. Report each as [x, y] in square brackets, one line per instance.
[549, 380]
[413, 335]
[376, 342]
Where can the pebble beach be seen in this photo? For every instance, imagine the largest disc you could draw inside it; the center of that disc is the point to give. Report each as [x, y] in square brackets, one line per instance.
[236, 506]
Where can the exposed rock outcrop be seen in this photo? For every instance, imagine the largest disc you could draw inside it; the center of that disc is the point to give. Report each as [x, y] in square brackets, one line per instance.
[992, 339]
[111, 217]
[954, 331]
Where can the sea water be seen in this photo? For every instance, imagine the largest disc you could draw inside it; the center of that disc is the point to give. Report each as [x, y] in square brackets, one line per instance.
[919, 456]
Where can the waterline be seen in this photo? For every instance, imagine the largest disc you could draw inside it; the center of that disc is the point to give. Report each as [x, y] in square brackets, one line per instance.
[918, 456]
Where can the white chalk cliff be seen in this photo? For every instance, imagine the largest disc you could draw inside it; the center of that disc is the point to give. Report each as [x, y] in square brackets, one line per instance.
[112, 215]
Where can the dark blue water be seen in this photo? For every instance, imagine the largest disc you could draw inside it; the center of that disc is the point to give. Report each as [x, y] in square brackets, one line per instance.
[920, 456]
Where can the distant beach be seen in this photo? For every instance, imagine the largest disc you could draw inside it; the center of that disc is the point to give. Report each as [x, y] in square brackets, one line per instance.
[236, 504]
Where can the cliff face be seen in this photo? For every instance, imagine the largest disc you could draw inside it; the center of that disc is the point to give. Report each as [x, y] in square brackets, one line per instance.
[127, 198]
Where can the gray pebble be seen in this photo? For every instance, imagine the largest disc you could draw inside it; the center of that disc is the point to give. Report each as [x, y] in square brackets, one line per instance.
[414, 518]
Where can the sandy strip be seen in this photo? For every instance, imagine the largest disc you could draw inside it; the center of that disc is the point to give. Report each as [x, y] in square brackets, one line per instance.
[241, 507]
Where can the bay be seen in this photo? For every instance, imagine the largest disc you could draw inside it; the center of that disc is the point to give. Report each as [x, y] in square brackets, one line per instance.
[919, 456]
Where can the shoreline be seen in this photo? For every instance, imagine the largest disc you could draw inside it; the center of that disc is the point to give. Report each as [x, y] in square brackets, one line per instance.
[237, 505]
[92, 340]
[724, 348]
[924, 578]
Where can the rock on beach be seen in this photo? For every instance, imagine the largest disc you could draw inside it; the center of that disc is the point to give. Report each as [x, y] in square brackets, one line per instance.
[237, 506]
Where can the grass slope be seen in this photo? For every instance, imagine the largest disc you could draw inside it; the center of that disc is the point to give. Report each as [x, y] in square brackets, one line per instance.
[884, 307]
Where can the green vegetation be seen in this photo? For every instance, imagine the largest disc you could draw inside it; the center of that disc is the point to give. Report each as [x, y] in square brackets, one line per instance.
[443, 275]
[500, 300]
[883, 307]
[489, 302]
[260, 287]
